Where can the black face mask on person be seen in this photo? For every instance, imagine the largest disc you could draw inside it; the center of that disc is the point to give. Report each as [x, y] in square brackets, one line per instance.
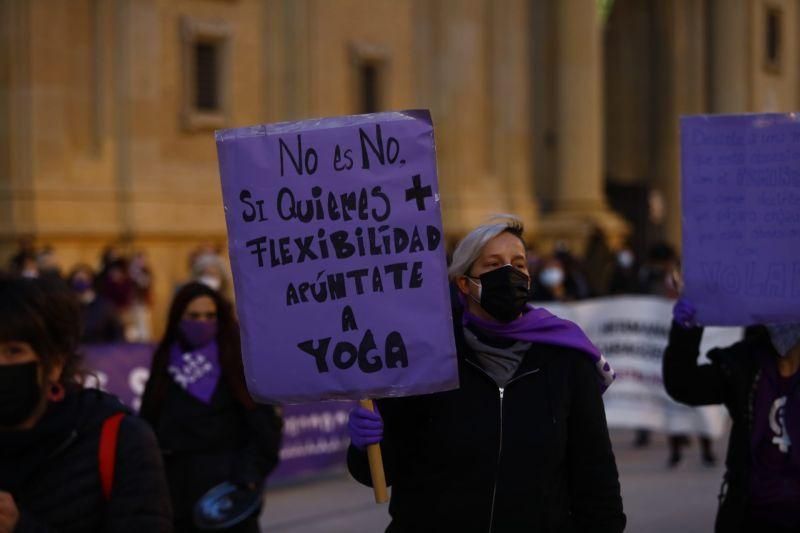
[20, 393]
[503, 292]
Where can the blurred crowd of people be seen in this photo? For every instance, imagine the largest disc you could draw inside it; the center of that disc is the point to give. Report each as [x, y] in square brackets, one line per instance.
[564, 277]
[116, 294]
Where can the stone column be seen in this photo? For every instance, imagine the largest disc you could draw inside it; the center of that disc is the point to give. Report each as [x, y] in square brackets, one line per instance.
[730, 81]
[580, 203]
[682, 82]
[510, 100]
[17, 191]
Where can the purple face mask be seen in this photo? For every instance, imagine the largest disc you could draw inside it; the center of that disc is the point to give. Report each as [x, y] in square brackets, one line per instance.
[198, 333]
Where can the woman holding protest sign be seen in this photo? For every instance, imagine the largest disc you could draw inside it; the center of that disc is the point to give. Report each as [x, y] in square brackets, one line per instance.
[71, 459]
[210, 430]
[757, 380]
[523, 444]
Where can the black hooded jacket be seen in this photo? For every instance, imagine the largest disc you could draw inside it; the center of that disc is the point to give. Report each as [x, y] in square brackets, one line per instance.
[53, 472]
[534, 456]
[207, 444]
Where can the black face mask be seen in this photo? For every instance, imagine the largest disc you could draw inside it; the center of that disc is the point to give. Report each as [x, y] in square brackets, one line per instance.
[504, 292]
[19, 393]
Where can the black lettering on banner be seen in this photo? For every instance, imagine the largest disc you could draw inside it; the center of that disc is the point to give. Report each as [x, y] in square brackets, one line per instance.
[348, 204]
[383, 153]
[358, 276]
[368, 366]
[395, 351]
[342, 160]
[339, 352]
[397, 269]
[291, 295]
[336, 286]
[345, 354]
[300, 162]
[286, 192]
[387, 210]
[318, 353]
[341, 247]
[286, 255]
[416, 242]
[245, 195]
[401, 240]
[377, 280]
[349, 319]
[304, 247]
[259, 248]
[434, 237]
[416, 276]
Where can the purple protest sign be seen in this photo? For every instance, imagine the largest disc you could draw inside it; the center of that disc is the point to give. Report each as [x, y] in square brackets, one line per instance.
[741, 222]
[335, 238]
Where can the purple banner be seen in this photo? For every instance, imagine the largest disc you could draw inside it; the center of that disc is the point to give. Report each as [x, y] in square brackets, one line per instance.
[314, 435]
[121, 369]
[741, 222]
[315, 439]
[335, 239]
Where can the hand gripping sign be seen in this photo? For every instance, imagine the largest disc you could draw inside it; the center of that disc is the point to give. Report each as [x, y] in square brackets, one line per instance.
[741, 222]
[336, 244]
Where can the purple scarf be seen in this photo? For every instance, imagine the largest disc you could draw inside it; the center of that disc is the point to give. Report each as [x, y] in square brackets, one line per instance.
[541, 326]
[196, 371]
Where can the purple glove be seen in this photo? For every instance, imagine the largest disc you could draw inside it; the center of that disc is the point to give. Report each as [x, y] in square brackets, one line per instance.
[684, 314]
[364, 427]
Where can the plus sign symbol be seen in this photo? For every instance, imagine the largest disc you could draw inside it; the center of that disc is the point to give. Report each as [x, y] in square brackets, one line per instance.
[418, 192]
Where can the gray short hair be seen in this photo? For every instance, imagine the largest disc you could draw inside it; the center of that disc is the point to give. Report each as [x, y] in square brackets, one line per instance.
[470, 247]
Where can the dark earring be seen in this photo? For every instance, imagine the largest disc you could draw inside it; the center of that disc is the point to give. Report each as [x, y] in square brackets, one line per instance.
[56, 393]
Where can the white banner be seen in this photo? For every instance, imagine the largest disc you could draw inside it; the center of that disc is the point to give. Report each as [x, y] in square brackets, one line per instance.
[632, 332]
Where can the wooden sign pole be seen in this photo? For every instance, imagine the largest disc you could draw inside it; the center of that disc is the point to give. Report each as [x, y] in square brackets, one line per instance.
[376, 464]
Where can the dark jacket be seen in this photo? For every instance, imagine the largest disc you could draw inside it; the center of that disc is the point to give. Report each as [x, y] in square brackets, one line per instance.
[52, 471]
[731, 379]
[207, 444]
[534, 456]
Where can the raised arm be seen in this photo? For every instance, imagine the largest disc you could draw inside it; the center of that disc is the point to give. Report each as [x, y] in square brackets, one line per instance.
[685, 380]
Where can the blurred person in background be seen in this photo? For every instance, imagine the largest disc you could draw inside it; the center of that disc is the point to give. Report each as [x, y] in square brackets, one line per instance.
[757, 380]
[101, 324]
[623, 278]
[141, 276]
[576, 282]
[659, 273]
[47, 263]
[51, 429]
[209, 268]
[660, 276]
[25, 265]
[115, 284]
[209, 429]
[23, 262]
[551, 282]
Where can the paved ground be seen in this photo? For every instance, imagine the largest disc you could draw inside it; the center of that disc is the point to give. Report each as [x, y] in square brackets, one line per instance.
[657, 500]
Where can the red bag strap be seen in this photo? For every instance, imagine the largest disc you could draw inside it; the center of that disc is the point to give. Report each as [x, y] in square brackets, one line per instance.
[107, 452]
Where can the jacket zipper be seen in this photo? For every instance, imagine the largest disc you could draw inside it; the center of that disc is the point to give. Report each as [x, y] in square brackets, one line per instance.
[501, 391]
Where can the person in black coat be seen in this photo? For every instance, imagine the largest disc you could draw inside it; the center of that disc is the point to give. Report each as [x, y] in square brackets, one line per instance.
[758, 381]
[209, 428]
[50, 429]
[523, 444]
[101, 322]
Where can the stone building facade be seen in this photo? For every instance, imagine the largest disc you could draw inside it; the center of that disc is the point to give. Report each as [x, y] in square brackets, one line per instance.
[542, 108]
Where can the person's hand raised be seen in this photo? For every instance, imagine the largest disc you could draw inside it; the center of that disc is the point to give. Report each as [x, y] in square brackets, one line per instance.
[684, 314]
